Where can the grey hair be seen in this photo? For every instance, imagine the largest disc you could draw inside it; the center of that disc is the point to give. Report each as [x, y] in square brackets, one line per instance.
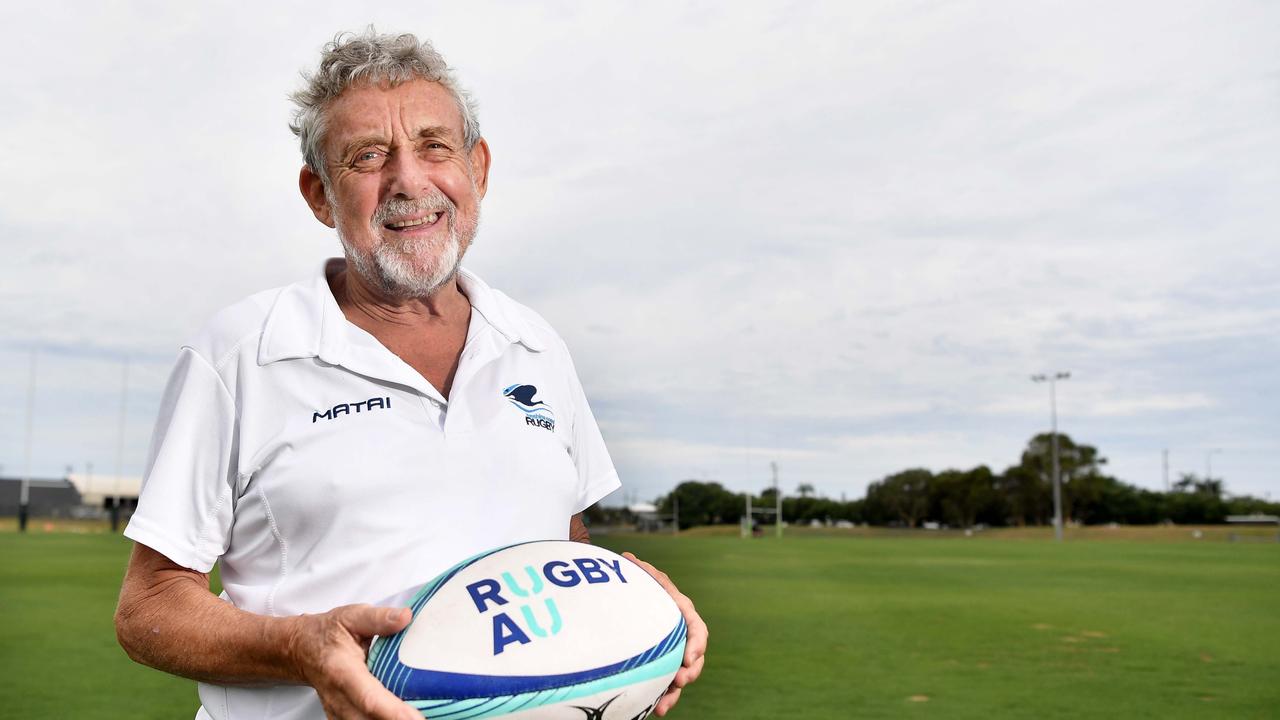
[376, 58]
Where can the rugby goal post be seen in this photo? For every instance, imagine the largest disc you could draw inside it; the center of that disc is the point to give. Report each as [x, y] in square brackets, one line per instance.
[748, 519]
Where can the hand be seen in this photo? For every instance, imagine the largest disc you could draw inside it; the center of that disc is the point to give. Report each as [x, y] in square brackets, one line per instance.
[695, 644]
[329, 652]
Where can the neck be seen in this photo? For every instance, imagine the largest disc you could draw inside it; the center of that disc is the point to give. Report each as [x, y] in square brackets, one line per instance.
[368, 307]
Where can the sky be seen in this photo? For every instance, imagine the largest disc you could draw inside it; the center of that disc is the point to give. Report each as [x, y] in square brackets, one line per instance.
[836, 236]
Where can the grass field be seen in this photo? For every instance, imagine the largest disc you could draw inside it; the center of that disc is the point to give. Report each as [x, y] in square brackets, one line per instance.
[807, 627]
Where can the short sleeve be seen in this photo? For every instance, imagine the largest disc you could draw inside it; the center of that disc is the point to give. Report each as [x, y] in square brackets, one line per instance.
[185, 509]
[596, 474]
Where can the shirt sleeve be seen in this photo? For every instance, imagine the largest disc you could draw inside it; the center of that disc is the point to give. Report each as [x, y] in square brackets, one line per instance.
[186, 505]
[596, 474]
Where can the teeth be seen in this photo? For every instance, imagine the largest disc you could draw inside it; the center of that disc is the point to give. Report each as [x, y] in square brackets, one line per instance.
[414, 223]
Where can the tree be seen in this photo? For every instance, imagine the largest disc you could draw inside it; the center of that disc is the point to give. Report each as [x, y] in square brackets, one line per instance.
[1196, 500]
[703, 503]
[904, 496]
[804, 490]
[959, 496]
[1027, 496]
[1076, 463]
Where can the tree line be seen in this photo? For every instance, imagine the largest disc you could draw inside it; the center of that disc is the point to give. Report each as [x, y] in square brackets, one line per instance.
[1021, 495]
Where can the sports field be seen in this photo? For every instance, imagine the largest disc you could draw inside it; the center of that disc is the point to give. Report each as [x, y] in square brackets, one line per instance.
[805, 627]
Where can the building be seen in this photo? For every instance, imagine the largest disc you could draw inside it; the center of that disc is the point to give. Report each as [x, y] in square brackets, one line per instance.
[100, 491]
[77, 495]
[47, 497]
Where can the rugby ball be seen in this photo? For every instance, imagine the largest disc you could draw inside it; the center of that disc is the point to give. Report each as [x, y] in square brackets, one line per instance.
[549, 630]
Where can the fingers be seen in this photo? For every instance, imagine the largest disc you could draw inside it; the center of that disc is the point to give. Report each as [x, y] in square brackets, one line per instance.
[354, 693]
[333, 657]
[366, 620]
[688, 673]
[657, 574]
[667, 702]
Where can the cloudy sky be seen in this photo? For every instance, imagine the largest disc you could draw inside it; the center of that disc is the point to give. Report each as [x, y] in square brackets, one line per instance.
[839, 236]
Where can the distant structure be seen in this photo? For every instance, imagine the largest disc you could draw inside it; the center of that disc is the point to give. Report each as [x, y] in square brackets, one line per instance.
[647, 517]
[74, 496]
[50, 497]
[102, 490]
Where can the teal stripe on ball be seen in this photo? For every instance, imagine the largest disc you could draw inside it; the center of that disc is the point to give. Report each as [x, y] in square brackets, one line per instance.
[468, 710]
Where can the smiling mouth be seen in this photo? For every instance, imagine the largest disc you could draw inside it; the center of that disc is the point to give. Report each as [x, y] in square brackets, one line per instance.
[409, 224]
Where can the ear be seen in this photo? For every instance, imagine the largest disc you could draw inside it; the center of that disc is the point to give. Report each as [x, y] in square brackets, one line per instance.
[480, 160]
[312, 187]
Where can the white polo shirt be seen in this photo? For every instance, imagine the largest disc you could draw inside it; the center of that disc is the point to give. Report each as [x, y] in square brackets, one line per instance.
[319, 469]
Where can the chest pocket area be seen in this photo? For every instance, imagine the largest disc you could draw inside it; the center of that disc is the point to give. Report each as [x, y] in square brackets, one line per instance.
[524, 454]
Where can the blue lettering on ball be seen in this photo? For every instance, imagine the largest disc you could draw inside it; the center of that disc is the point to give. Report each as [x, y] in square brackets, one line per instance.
[505, 632]
[591, 571]
[616, 565]
[567, 579]
[483, 591]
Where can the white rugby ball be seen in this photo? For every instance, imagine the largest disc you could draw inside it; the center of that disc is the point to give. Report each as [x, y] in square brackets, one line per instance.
[537, 631]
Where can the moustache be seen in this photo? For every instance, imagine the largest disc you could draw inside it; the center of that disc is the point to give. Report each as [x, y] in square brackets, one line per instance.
[436, 202]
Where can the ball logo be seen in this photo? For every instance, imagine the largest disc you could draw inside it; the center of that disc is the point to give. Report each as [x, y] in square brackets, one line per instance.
[488, 594]
[536, 412]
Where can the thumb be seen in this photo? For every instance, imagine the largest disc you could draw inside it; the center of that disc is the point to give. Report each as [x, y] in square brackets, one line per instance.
[367, 620]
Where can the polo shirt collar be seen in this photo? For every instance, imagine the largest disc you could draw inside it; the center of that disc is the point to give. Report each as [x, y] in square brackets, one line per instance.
[496, 311]
[306, 322]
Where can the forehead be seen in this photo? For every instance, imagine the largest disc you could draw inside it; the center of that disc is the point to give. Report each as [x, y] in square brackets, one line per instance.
[383, 111]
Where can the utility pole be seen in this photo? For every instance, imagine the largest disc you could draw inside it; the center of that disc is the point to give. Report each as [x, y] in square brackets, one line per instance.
[1165, 455]
[1053, 423]
[24, 492]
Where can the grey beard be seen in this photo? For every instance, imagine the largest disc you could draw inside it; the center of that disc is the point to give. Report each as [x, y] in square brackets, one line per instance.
[390, 267]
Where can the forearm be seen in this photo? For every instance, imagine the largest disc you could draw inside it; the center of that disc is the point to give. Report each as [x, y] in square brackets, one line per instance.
[578, 530]
[168, 619]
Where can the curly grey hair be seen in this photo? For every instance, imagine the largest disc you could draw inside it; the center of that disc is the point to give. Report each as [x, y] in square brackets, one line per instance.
[370, 57]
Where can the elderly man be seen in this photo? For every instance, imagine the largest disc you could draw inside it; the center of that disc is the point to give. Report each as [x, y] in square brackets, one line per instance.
[336, 443]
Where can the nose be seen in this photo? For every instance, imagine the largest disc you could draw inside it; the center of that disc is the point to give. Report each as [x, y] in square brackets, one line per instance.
[406, 175]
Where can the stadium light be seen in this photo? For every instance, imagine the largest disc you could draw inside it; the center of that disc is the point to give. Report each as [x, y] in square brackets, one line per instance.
[1053, 423]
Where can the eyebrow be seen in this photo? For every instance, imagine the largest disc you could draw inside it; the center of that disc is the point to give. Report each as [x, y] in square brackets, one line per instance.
[428, 132]
[361, 142]
[435, 131]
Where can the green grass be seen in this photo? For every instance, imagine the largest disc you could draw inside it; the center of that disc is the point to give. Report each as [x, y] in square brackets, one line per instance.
[58, 651]
[806, 627]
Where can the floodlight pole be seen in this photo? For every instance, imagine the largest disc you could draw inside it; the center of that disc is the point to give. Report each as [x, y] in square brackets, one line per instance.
[1053, 424]
[24, 491]
[124, 402]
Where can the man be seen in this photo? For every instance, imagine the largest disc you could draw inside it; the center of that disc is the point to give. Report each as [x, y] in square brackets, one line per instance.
[336, 443]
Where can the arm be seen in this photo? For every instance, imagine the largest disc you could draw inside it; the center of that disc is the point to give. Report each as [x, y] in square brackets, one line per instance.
[578, 530]
[168, 619]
